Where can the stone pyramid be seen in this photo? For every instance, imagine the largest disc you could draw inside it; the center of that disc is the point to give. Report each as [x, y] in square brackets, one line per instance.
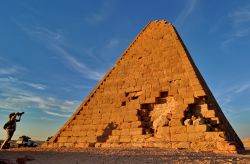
[154, 96]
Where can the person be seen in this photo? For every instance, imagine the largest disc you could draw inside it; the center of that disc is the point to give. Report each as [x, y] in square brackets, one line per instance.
[10, 128]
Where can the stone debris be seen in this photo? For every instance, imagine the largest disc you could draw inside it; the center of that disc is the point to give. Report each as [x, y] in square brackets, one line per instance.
[18, 160]
[121, 155]
[154, 96]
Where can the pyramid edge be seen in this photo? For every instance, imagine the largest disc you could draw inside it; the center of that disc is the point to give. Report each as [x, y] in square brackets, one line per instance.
[208, 92]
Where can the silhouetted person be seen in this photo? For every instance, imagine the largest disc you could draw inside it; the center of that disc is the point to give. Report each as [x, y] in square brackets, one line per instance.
[10, 128]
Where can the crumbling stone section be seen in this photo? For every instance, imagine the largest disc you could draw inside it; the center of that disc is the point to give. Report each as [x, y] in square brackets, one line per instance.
[154, 96]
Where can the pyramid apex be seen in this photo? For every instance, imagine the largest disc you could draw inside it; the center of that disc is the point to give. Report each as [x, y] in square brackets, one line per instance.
[161, 21]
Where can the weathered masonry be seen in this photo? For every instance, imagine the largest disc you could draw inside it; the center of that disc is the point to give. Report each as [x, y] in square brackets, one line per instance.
[154, 96]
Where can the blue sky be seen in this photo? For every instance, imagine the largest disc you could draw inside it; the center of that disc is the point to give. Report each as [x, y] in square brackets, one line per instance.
[53, 53]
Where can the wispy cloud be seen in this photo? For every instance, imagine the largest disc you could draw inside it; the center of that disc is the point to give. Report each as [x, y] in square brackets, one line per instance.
[7, 71]
[240, 15]
[112, 43]
[46, 118]
[56, 42]
[240, 25]
[227, 95]
[7, 68]
[242, 88]
[76, 65]
[101, 14]
[57, 114]
[234, 89]
[16, 81]
[35, 85]
[187, 11]
[13, 98]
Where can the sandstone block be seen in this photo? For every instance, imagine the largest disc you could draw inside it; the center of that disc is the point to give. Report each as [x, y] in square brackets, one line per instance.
[197, 87]
[210, 114]
[91, 133]
[62, 139]
[72, 139]
[116, 132]
[162, 137]
[215, 136]
[134, 104]
[130, 118]
[197, 128]
[180, 145]
[92, 127]
[91, 139]
[189, 100]
[179, 137]
[82, 139]
[87, 121]
[125, 138]
[53, 145]
[204, 146]
[105, 120]
[81, 145]
[76, 127]
[175, 122]
[199, 93]
[66, 133]
[178, 114]
[125, 132]
[75, 134]
[136, 131]
[194, 81]
[151, 139]
[136, 124]
[69, 144]
[139, 138]
[99, 132]
[106, 145]
[181, 108]
[173, 91]
[196, 137]
[125, 125]
[150, 100]
[225, 146]
[98, 144]
[215, 120]
[148, 144]
[166, 145]
[96, 121]
[163, 131]
[136, 144]
[204, 106]
[178, 129]
[113, 139]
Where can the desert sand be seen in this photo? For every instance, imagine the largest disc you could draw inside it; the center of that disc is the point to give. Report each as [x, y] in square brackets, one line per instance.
[121, 155]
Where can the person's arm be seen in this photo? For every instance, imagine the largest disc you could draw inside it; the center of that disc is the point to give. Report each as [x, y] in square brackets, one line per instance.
[13, 117]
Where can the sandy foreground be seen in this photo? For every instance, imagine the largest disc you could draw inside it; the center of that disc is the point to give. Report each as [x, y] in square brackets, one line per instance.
[118, 155]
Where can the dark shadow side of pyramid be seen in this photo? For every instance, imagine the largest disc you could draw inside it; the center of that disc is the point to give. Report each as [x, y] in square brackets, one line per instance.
[154, 96]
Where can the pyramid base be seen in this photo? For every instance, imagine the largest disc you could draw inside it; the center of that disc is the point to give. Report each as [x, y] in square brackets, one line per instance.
[213, 146]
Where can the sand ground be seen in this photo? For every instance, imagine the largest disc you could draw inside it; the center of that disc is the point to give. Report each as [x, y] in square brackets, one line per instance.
[121, 155]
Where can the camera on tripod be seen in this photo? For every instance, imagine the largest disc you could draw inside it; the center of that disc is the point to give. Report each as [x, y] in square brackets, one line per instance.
[19, 114]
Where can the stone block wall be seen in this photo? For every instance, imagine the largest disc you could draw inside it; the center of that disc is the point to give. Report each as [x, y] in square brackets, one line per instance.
[154, 96]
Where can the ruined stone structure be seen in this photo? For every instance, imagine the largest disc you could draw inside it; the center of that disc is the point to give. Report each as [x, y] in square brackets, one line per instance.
[154, 96]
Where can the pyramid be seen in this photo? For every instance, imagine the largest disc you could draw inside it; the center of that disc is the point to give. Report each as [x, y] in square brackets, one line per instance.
[154, 96]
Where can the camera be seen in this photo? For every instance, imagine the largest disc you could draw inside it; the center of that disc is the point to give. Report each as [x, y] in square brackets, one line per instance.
[20, 113]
